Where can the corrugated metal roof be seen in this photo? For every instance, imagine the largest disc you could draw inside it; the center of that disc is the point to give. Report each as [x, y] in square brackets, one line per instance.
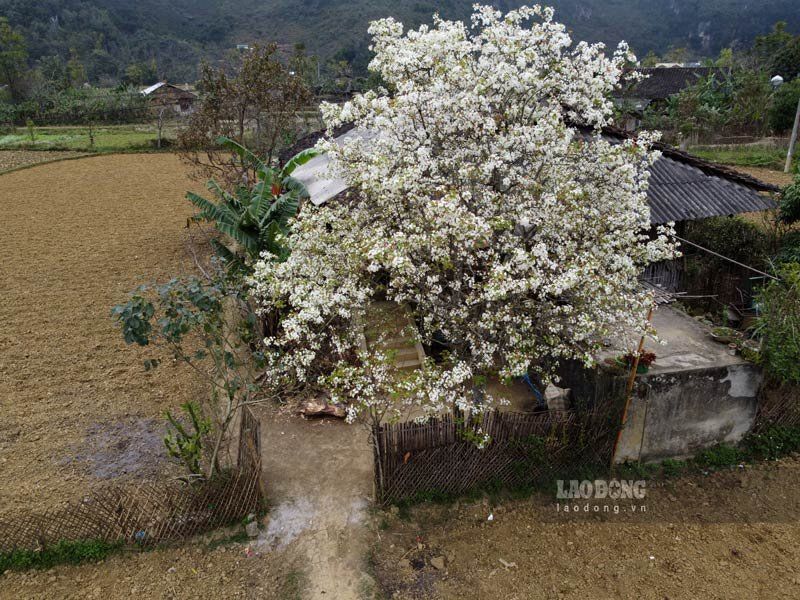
[682, 192]
[682, 187]
[662, 82]
[149, 90]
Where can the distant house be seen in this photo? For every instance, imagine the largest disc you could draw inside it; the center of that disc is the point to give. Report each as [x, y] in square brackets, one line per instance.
[659, 84]
[165, 94]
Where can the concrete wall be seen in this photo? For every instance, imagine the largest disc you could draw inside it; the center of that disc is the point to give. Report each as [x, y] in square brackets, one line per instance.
[674, 415]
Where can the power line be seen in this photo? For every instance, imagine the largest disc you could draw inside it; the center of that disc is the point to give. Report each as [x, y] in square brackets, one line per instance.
[736, 262]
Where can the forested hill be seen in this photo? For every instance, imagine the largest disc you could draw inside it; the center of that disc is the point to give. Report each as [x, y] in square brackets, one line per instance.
[108, 35]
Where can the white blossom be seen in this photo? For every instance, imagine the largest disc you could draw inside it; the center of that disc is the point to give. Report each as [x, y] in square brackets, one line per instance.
[489, 203]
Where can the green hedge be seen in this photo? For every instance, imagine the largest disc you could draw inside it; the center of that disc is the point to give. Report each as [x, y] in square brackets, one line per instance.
[78, 107]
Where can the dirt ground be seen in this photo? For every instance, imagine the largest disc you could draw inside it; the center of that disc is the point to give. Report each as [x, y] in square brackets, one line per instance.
[726, 535]
[198, 570]
[78, 409]
[767, 175]
[313, 544]
[13, 159]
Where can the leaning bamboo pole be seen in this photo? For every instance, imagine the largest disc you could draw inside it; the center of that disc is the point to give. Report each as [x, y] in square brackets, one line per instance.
[629, 387]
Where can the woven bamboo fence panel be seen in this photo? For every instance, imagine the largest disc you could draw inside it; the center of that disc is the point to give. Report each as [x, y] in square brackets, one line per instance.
[441, 454]
[151, 512]
[778, 405]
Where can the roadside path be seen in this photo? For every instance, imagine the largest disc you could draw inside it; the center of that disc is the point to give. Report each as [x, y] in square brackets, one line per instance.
[318, 475]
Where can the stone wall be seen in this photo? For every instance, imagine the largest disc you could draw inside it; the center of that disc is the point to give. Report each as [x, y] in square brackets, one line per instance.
[675, 415]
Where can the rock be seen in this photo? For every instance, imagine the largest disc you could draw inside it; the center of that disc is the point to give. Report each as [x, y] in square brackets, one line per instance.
[251, 529]
[556, 398]
[320, 407]
[437, 562]
[733, 315]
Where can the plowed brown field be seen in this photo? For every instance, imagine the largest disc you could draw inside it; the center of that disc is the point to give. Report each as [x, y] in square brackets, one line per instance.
[75, 238]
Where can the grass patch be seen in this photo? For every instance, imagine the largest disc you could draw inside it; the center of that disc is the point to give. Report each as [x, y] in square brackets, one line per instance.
[745, 156]
[106, 139]
[63, 552]
[771, 444]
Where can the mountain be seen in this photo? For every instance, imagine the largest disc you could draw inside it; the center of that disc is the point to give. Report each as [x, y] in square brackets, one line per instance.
[107, 35]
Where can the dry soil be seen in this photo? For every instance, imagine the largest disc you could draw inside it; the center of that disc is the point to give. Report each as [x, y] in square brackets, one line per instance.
[727, 535]
[77, 408]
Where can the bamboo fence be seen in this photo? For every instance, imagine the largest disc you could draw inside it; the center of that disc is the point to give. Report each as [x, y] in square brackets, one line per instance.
[151, 512]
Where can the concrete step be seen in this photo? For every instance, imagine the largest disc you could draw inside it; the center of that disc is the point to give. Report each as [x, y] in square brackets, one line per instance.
[406, 353]
[408, 364]
[386, 328]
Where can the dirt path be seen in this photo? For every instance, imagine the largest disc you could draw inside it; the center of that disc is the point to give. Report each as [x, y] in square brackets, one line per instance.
[75, 238]
[319, 477]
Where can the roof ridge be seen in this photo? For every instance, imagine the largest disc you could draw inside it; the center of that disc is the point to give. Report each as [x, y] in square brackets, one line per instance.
[706, 166]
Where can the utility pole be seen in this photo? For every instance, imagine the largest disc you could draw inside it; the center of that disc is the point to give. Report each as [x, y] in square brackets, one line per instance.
[793, 139]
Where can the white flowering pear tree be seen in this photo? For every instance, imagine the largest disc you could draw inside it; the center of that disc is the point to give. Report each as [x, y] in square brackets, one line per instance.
[486, 200]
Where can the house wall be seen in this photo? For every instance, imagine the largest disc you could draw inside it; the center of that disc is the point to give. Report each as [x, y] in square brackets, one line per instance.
[675, 415]
[180, 101]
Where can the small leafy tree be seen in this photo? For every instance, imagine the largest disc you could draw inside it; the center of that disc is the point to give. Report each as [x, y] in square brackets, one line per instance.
[13, 59]
[784, 106]
[203, 325]
[255, 102]
[790, 202]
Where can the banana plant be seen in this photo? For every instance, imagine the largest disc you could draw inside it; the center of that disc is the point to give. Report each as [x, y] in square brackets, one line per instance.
[256, 216]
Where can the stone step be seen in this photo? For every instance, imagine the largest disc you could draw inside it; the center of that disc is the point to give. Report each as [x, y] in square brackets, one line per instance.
[408, 364]
[406, 353]
[386, 328]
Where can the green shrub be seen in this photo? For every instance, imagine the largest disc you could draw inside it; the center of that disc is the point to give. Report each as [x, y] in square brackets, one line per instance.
[733, 237]
[779, 324]
[784, 105]
[637, 470]
[79, 107]
[772, 444]
[672, 468]
[790, 202]
[719, 457]
[790, 248]
[63, 552]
